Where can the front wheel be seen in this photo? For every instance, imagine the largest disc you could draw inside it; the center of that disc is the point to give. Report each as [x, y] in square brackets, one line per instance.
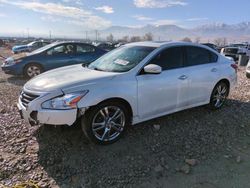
[32, 70]
[106, 122]
[219, 95]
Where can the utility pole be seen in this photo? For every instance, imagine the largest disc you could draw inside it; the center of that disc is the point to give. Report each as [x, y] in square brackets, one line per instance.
[86, 35]
[28, 33]
[96, 33]
[99, 34]
[50, 35]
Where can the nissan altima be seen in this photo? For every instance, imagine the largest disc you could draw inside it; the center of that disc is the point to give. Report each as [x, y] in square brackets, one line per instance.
[129, 85]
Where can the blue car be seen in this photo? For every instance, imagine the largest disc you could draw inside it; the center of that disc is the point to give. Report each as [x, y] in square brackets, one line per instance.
[51, 56]
[29, 47]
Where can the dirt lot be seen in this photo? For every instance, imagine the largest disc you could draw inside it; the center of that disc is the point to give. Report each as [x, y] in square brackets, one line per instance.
[152, 154]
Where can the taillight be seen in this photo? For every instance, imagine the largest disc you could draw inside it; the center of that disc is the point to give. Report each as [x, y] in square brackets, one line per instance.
[235, 67]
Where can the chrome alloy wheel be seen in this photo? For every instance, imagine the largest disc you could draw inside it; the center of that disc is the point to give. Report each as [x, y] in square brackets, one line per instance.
[220, 95]
[33, 70]
[108, 123]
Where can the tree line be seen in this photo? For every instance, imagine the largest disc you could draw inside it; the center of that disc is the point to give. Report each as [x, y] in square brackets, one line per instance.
[149, 37]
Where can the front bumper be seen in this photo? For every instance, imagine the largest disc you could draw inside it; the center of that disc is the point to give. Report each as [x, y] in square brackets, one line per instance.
[35, 115]
[13, 70]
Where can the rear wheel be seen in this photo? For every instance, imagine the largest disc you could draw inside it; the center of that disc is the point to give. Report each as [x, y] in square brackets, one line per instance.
[106, 122]
[219, 95]
[32, 70]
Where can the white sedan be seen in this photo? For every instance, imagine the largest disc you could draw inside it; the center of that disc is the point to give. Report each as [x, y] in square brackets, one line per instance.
[129, 85]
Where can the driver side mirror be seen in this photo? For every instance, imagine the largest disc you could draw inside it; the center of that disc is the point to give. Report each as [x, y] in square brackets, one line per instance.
[152, 69]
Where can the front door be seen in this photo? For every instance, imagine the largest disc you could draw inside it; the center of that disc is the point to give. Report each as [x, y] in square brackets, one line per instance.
[61, 55]
[161, 93]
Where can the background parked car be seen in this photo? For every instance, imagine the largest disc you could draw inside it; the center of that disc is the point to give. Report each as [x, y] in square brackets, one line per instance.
[1, 42]
[231, 52]
[29, 47]
[211, 45]
[51, 56]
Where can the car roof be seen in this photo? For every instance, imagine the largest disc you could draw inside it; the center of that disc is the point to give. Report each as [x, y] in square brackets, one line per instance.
[233, 47]
[158, 44]
[65, 42]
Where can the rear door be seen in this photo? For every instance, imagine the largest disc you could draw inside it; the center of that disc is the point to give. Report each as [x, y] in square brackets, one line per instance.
[203, 71]
[86, 53]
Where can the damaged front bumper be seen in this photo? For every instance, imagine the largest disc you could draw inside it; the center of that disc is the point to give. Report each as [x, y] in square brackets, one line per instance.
[53, 117]
[34, 114]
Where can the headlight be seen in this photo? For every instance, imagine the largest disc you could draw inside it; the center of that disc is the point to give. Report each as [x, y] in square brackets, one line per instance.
[68, 101]
[11, 61]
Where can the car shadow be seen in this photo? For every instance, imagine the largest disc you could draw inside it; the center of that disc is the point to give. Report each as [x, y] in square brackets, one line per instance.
[199, 133]
[17, 80]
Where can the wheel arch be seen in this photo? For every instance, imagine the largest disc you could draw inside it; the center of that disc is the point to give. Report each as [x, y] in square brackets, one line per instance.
[34, 63]
[226, 81]
[120, 100]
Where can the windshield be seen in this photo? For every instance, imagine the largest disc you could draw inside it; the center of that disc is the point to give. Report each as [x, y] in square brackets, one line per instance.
[39, 50]
[31, 43]
[122, 59]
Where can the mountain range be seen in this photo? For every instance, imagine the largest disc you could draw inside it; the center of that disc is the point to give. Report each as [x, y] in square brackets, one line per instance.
[208, 32]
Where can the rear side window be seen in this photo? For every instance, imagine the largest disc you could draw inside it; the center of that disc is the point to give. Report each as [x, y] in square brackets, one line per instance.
[81, 49]
[199, 56]
[170, 58]
[213, 57]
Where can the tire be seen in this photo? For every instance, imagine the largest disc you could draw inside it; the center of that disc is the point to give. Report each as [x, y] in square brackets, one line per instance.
[219, 95]
[106, 116]
[33, 69]
[248, 75]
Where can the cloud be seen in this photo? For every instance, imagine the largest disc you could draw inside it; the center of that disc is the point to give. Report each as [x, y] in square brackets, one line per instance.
[165, 22]
[196, 19]
[142, 18]
[75, 14]
[106, 9]
[77, 2]
[2, 15]
[158, 3]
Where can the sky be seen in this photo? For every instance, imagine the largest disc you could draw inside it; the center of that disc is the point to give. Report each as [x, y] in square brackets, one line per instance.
[72, 18]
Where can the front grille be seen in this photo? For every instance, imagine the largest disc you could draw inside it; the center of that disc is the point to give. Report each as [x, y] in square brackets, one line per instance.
[26, 98]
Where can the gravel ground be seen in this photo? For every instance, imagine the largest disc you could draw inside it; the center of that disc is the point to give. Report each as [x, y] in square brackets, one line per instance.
[193, 148]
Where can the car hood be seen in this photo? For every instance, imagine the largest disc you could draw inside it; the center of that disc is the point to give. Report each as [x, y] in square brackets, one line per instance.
[16, 57]
[67, 77]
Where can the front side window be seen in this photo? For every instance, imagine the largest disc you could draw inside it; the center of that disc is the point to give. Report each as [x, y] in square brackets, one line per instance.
[57, 50]
[36, 44]
[170, 58]
[199, 56]
[122, 59]
[61, 49]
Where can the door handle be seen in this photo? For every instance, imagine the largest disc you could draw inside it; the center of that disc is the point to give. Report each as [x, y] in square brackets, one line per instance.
[183, 77]
[213, 70]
